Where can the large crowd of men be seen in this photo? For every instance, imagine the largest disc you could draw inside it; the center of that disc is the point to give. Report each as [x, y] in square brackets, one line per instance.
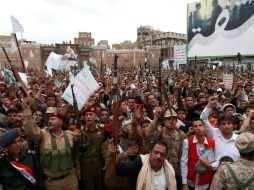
[178, 129]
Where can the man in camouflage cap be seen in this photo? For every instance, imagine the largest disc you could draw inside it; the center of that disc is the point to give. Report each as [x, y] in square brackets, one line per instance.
[238, 175]
[171, 135]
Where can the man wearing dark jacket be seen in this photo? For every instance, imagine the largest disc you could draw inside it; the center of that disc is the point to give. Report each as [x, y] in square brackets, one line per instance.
[18, 170]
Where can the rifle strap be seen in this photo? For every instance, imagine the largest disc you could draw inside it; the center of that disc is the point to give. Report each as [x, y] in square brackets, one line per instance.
[240, 185]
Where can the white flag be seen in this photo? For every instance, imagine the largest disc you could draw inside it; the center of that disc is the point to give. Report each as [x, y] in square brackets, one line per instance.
[31, 53]
[17, 27]
[26, 63]
[55, 61]
[13, 48]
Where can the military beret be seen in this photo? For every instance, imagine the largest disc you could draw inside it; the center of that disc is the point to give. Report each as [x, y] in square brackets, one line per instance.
[90, 108]
[8, 137]
[245, 142]
[58, 115]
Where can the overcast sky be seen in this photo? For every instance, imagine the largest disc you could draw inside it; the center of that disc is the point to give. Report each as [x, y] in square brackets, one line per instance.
[54, 21]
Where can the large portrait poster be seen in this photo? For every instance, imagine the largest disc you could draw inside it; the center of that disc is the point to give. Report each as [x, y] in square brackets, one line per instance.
[220, 28]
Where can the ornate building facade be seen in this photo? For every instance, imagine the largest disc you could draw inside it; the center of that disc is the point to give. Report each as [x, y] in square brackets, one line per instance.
[84, 38]
[147, 37]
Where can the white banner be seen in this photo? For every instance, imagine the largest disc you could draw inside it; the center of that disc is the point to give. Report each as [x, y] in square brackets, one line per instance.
[55, 61]
[180, 54]
[228, 80]
[165, 64]
[24, 79]
[84, 86]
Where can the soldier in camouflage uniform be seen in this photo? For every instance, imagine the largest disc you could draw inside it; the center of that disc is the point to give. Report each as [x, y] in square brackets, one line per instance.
[90, 141]
[238, 175]
[169, 134]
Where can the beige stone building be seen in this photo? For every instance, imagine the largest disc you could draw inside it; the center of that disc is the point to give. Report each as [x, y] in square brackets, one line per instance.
[30, 52]
[127, 57]
[84, 38]
[104, 43]
[127, 44]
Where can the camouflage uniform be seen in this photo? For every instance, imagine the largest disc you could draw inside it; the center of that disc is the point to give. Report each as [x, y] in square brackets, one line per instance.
[173, 139]
[58, 155]
[243, 169]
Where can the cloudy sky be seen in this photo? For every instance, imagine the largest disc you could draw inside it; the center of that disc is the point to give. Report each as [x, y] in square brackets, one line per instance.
[54, 21]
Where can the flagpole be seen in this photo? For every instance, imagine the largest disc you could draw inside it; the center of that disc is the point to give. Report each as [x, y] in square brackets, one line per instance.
[20, 55]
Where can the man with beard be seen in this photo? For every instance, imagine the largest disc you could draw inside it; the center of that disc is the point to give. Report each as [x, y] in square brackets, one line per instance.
[171, 135]
[57, 151]
[6, 103]
[151, 105]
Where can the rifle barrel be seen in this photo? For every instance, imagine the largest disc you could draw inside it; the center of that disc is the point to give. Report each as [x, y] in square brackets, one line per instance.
[16, 75]
[75, 105]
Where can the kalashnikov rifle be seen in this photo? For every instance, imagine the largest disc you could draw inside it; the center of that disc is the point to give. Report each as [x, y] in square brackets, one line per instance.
[159, 81]
[84, 143]
[75, 105]
[111, 164]
[165, 93]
